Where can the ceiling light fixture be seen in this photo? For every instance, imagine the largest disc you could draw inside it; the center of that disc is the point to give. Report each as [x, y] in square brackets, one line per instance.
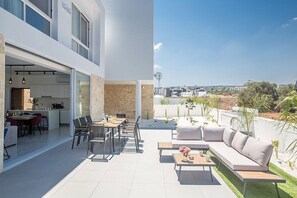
[10, 79]
[24, 80]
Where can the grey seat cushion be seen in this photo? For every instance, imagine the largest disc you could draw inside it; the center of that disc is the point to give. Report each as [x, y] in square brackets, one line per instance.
[188, 132]
[258, 151]
[213, 133]
[228, 136]
[239, 141]
[234, 160]
[193, 144]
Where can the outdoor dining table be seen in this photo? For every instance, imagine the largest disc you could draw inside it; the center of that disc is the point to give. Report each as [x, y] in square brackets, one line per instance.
[23, 119]
[113, 123]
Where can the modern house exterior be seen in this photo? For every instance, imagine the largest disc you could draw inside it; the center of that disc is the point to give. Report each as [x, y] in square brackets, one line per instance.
[93, 57]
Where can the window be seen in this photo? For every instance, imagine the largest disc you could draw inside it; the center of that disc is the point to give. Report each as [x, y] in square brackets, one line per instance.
[37, 13]
[37, 21]
[80, 32]
[15, 7]
[44, 5]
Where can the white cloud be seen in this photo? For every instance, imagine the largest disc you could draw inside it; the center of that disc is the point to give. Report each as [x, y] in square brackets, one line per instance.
[157, 66]
[294, 19]
[157, 47]
[285, 25]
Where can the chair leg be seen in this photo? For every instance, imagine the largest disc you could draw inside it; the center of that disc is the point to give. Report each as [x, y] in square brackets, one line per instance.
[104, 150]
[88, 149]
[73, 141]
[39, 129]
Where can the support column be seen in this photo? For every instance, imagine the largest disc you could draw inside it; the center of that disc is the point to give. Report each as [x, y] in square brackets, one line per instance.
[138, 99]
[72, 101]
[2, 95]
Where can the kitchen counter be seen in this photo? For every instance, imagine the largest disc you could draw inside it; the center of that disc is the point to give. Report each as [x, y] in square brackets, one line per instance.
[52, 116]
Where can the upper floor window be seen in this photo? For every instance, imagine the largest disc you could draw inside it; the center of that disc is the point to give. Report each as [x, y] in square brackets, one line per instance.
[15, 7]
[37, 13]
[80, 32]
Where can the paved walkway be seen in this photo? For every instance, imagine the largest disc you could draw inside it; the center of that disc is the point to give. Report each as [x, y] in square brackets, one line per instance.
[62, 172]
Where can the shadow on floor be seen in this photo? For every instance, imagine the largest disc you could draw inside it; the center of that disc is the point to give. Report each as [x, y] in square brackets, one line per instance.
[37, 176]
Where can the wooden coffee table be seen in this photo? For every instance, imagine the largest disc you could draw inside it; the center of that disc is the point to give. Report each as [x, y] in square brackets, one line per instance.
[197, 161]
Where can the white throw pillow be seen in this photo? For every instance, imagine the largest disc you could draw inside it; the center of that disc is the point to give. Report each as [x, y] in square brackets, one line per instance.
[213, 133]
[228, 136]
[257, 151]
[188, 132]
[239, 141]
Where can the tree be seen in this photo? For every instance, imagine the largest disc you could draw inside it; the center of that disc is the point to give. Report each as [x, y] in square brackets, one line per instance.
[258, 88]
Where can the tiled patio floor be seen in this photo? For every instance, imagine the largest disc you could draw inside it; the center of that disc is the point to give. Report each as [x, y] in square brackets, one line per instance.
[131, 174]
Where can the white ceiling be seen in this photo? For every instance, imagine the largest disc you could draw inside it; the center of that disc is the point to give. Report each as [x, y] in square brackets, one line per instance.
[13, 61]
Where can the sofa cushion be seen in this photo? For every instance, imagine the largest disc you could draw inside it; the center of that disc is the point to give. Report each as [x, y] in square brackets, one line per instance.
[228, 136]
[213, 133]
[258, 151]
[239, 141]
[234, 160]
[193, 144]
[187, 132]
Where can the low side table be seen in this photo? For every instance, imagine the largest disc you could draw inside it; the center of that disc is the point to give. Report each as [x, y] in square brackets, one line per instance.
[197, 161]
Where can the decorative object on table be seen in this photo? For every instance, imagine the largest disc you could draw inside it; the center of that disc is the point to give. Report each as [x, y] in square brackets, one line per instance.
[107, 118]
[34, 102]
[185, 151]
[207, 157]
[201, 153]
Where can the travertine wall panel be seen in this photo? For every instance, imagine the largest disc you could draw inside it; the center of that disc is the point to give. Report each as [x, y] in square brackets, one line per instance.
[97, 97]
[147, 101]
[121, 98]
[2, 91]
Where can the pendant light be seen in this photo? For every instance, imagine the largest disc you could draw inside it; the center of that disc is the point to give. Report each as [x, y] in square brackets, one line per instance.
[24, 80]
[10, 79]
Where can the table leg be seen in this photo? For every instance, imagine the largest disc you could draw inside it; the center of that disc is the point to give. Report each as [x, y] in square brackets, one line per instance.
[179, 173]
[244, 188]
[160, 154]
[277, 190]
[119, 128]
[210, 173]
[112, 132]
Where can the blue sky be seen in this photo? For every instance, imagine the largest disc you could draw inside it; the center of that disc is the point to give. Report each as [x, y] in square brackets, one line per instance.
[225, 42]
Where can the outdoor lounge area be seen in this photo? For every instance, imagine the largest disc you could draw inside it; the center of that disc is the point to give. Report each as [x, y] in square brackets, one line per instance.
[127, 173]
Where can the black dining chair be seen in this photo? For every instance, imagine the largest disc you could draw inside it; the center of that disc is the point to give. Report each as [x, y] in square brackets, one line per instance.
[79, 132]
[89, 119]
[99, 135]
[131, 134]
[121, 115]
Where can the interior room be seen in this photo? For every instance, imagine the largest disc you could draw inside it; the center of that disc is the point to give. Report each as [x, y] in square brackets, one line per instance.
[37, 106]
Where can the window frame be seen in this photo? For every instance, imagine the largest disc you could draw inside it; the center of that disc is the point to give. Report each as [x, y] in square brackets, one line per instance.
[78, 40]
[40, 12]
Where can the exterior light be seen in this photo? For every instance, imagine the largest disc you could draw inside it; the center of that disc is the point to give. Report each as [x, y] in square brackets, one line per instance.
[10, 79]
[24, 80]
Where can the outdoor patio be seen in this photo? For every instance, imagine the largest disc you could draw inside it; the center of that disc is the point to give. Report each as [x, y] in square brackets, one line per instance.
[62, 172]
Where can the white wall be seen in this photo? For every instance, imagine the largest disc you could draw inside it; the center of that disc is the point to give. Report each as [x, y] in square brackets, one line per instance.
[18, 33]
[129, 39]
[265, 130]
[159, 111]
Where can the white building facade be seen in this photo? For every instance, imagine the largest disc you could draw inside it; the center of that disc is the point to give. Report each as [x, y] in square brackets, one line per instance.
[98, 52]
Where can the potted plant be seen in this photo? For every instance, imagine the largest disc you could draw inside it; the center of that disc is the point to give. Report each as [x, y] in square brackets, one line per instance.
[288, 117]
[190, 105]
[244, 120]
[34, 102]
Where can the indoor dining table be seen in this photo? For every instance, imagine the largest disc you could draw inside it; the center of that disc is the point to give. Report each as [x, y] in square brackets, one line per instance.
[23, 120]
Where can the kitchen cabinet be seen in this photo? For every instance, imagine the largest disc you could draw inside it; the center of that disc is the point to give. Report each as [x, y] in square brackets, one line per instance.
[54, 91]
[64, 116]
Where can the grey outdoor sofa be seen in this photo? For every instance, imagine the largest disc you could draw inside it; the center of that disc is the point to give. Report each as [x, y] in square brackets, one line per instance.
[245, 156]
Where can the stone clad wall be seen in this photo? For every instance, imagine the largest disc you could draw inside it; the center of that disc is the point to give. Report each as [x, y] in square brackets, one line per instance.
[97, 97]
[2, 91]
[147, 101]
[120, 98]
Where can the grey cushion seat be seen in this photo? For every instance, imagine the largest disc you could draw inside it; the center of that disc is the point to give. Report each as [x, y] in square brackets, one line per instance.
[197, 144]
[233, 159]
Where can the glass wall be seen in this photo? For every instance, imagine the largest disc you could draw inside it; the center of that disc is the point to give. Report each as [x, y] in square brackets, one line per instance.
[82, 95]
